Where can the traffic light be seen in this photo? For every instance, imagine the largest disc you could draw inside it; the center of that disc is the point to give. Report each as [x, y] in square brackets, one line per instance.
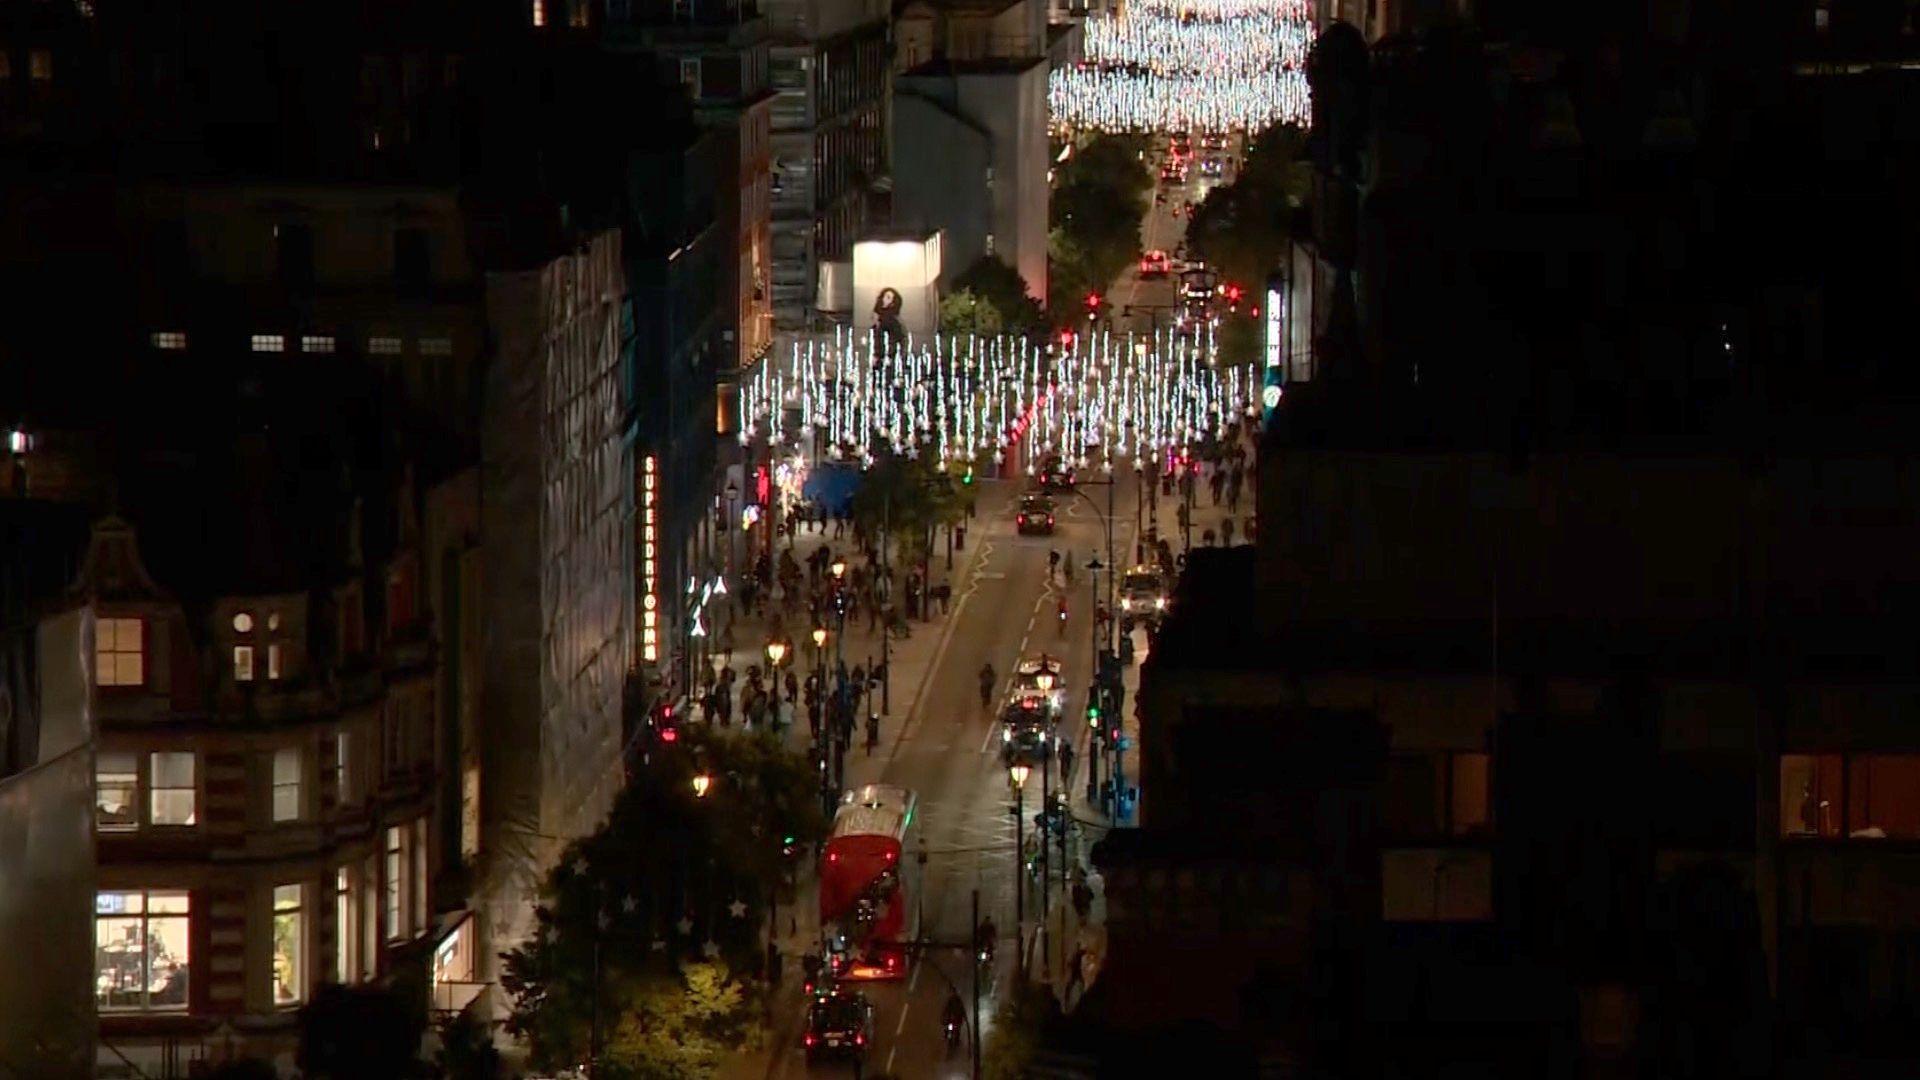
[664, 727]
[1093, 705]
[1093, 306]
[967, 477]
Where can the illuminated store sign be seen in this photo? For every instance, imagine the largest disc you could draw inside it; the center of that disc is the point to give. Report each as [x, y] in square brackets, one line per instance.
[650, 600]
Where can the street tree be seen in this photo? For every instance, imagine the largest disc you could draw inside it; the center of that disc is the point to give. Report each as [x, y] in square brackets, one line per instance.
[658, 921]
[1241, 229]
[1103, 192]
[992, 281]
[966, 312]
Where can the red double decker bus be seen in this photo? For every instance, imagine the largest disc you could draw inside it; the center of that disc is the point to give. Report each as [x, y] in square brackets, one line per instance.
[863, 889]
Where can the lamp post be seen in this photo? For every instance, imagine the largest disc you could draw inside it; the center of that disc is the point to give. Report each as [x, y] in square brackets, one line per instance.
[1045, 682]
[838, 568]
[1017, 775]
[1096, 745]
[733, 502]
[701, 783]
[776, 652]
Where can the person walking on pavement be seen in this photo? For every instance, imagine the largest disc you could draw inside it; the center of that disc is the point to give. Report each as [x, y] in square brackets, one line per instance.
[1226, 532]
[873, 732]
[1067, 568]
[1066, 763]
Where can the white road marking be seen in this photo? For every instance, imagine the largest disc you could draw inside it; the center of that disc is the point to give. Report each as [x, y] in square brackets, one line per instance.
[890, 1053]
[901, 1026]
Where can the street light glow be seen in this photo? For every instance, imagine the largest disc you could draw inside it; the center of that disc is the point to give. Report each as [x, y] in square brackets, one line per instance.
[1018, 774]
[701, 782]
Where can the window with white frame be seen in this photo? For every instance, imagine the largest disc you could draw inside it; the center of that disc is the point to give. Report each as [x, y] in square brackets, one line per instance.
[116, 787]
[273, 661]
[171, 795]
[316, 343]
[343, 777]
[160, 783]
[384, 346]
[345, 938]
[119, 652]
[266, 343]
[142, 942]
[396, 852]
[243, 663]
[287, 789]
[170, 340]
[369, 915]
[289, 944]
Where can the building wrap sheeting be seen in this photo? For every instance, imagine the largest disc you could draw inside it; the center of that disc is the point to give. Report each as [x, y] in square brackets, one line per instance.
[47, 873]
[557, 526]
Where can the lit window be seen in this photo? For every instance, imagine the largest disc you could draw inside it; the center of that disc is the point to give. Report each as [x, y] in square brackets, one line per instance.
[396, 875]
[273, 662]
[243, 663]
[40, 65]
[116, 799]
[171, 795]
[539, 12]
[344, 938]
[436, 346]
[577, 15]
[383, 346]
[273, 620]
[316, 343]
[342, 771]
[119, 652]
[269, 343]
[289, 944]
[242, 623]
[169, 339]
[141, 948]
[286, 784]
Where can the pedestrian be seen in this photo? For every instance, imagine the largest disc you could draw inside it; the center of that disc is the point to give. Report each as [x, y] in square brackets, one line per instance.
[1226, 532]
[873, 732]
[1217, 482]
[1067, 568]
[1066, 762]
[785, 718]
[793, 686]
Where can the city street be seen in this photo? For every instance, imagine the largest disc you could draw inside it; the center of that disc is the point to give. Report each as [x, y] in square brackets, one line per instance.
[942, 745]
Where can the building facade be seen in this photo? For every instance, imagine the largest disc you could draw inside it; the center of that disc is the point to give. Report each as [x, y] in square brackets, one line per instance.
[828, 71]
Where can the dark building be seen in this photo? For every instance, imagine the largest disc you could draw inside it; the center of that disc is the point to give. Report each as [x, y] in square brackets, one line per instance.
[1588, 490]
[719, 53]
[829, 74]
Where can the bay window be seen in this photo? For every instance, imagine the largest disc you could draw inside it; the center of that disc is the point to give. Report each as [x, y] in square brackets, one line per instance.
[172, 797]
[289, 944]
[134, 790]
[288, 791]
[142, 949]
[116, 799]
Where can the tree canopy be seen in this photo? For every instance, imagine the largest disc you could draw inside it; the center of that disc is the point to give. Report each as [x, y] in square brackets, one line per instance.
[992, 282]
[1241, 229]
[655, 916]
[1103, 192]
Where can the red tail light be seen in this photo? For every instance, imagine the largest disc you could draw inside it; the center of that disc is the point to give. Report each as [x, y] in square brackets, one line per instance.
[809, 1038]
[859, 1039]
[1049, 519]
[669, 735]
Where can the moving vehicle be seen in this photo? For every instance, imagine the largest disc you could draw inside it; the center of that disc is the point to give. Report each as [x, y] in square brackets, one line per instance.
[839, 1025]
[1038, 680]
[863, 896]
[1215, 141]
[1056, 475]
[1026, 732]
[1143, 596]
[1155, 264]
[1035, 516]
[1197, 290]
[1212, 168]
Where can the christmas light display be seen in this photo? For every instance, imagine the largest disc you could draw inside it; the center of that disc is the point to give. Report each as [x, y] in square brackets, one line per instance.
[1188, 65]
[1095, 400]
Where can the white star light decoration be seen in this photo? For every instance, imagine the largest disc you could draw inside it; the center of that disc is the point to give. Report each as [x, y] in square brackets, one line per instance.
[685, 925]
[738, 909]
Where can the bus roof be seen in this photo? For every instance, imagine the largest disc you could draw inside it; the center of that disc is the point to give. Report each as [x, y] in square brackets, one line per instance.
[874, 810]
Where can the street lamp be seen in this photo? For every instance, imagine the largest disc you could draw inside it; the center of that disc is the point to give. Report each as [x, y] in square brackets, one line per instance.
[1017, 774]
[776, 652]
[701, 782]
[839, 568]
[819, 637]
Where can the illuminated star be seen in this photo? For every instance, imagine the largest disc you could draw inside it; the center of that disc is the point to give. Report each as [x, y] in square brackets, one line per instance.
[685, 925]
[711, 948]
[738, 909]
